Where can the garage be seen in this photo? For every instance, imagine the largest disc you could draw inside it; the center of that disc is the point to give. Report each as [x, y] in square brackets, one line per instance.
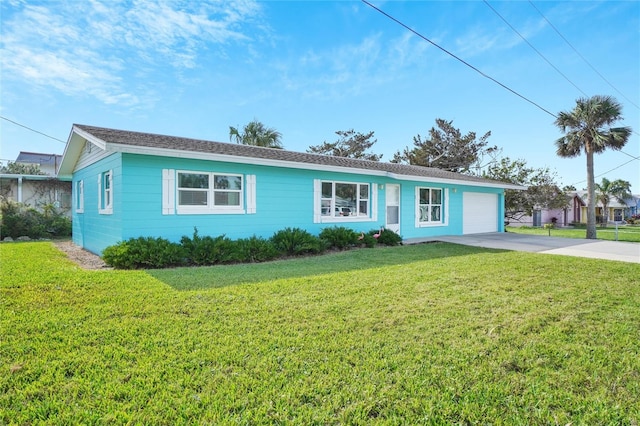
[479, 213]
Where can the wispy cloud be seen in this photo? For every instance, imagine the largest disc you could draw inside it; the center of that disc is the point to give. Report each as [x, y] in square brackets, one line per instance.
[353, 69]
[87, 48]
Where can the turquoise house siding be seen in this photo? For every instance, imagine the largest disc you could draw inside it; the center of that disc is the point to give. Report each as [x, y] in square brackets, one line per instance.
[92, 230]
[284, 198]
[280, 189]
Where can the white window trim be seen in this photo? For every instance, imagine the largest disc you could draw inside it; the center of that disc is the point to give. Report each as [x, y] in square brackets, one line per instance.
[108, 209]
[317, 204]
[444, 216]
[210, 208]
[79, 196]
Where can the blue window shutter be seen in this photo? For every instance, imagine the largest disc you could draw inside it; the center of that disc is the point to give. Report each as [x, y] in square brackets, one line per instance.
[168, 191]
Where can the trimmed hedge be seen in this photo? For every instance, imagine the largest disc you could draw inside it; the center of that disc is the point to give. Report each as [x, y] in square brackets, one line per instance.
[150, 252]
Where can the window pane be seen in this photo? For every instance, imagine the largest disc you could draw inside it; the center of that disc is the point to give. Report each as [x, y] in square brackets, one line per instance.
[193, 180]
[364, 208]
[107, 180]
[326, 207]
[393, 215]
[436, 196]
[327, 190]
[424, 214]
[228, 182]
[364, 192]
[226, 198]
[424, 196]
[346, 192]
[435, 213]
[192, 198]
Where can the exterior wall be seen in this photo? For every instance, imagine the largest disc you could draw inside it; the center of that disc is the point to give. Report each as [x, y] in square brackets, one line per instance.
[37, 193]
[92, 230]
[284, 198]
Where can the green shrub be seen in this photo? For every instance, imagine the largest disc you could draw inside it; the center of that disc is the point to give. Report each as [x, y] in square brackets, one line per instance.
[389, 238]
[256, 249]
[296, 241]
[144, 252]
[20, 220]
[339, 237]
[209, 250]
[367, 240]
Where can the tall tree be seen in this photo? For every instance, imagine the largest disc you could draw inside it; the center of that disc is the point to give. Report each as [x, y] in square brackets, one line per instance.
[257, 134]
[606, 190]
[588, 128]
[446, 148]
[350, 144]
[542, 189]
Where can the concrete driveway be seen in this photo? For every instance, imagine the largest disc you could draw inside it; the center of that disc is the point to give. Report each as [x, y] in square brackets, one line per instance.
[597, 249]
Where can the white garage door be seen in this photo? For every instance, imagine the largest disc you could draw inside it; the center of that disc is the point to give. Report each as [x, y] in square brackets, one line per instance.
[479, 213]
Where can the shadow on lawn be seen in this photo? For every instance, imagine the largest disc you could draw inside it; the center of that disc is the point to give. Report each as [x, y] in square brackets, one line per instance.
[199, 278]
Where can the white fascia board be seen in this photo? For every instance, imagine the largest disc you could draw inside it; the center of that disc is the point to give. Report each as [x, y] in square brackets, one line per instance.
[89, 137]
[167, 152]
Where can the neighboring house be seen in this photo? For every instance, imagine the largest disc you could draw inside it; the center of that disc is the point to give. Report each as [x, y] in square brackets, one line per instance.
[576, 211]
[48, 163]
[618, 211]
[38, 190]
[128, 184]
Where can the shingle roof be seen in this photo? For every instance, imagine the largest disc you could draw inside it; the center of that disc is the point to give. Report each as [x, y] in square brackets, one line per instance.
[39, 158]
[156, 141]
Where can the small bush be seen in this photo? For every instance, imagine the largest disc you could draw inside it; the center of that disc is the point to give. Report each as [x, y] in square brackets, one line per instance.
[144, 252]
[20, 220]
[208, 250]
[256, 249]
[296, 241]
[633, 220]
[368, 240]
[339, 237]
[389, 238]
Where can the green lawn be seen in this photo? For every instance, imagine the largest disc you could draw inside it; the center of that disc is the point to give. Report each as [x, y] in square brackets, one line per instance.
[425, 334]
[624, 233]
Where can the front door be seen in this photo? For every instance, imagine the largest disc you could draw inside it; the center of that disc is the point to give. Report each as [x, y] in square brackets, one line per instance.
[393, 208]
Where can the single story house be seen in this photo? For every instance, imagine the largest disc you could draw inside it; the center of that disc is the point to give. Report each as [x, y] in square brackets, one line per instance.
[130, 184]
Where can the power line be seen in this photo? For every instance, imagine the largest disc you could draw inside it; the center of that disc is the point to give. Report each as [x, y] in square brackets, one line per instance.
[535, 50]
[482, 73]
[582, 57]
[609, 171]
[33, 130]
[459, 59]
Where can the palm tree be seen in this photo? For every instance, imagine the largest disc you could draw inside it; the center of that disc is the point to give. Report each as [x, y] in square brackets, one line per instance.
[618, 189]
[587, 127]
[257, 134]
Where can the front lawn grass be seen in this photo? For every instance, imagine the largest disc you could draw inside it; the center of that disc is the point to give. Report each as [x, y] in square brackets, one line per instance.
[426, 334]
[624, 233]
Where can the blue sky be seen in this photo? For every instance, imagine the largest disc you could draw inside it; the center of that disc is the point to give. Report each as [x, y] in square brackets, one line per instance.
[309, 69]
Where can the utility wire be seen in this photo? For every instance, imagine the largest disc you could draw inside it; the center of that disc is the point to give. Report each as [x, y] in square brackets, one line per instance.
[582, 57]
[33, 130]
[534, 49]
[459, 59]
[609, 171]
[633, 158]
